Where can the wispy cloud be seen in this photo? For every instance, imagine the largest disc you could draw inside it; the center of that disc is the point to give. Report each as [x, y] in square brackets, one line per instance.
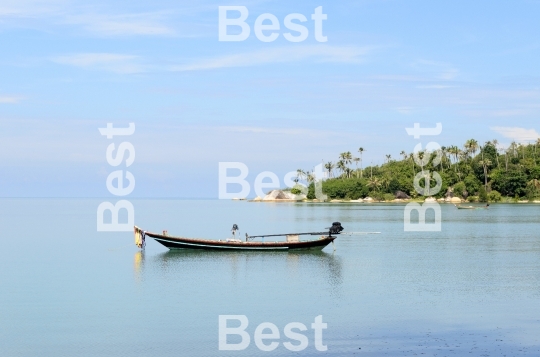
[399, 78]
[432, 80]
[510, 112]
[269, 130]
[405, 110]
[10, 99]
[112, 62]
[434, 86]
[125, 24]
[500, 113]
[516, 133]
[319, 53]
[441, 70]
[30, 8]
[95, 21]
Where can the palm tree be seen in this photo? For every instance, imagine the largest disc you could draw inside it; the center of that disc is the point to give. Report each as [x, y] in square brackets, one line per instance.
[388, 158]
[412, 162]
[506, 157]
[346, 157]
[462, 156]
[473, 146]
[535, 145]
[534, 184]
[457, 154]
[485, 164]
[329, 166]
[300, 174]
[385, 181]
[500, 151]
[421, 155]
[443, 156]
[361, 150]
[310, 177]
[374, 182]
[446, 154]
[513, 146]
[427, 182]
[467, 146]
[404, 154]
[495, 143]
[356, 160]
[454, 151]
[470, 148]
[341, 166]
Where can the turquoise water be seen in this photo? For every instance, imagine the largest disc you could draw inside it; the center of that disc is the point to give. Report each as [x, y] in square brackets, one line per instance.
[67, 290]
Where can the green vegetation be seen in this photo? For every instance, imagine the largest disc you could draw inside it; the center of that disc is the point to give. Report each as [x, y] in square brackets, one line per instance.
[296, 191]
[480, 173]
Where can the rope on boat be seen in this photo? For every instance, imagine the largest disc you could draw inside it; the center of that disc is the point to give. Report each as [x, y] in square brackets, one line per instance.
[140, 237]
[354, 233]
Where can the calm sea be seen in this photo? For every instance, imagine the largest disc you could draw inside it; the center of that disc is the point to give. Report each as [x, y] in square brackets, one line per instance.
[472, 289]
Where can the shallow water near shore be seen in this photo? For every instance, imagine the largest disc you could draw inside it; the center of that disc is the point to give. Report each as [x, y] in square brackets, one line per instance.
[473, 288]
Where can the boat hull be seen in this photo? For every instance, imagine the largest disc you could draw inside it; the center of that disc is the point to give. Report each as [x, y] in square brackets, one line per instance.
[191, 243]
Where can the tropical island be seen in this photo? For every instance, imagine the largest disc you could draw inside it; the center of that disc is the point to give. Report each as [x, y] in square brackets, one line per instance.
[475, 173]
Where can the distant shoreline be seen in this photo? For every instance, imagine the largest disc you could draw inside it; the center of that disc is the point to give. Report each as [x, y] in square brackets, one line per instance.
[392, 202]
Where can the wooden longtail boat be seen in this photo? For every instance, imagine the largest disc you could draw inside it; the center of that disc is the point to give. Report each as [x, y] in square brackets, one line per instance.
[471, 207]
[292, 241]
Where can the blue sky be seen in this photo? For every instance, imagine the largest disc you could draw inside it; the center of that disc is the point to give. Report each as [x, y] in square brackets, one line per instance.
[68, 68]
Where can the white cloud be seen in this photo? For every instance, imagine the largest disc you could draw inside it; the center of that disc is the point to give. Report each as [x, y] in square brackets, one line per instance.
[126, 24]
[113, 62]
[517, 134]
[321, 53]
[10, 99]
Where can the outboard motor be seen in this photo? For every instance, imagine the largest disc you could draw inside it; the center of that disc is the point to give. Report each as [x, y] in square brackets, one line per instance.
[336, 228]
[234, 230]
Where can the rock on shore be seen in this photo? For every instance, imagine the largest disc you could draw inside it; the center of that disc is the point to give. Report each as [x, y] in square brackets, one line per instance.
[279, 195]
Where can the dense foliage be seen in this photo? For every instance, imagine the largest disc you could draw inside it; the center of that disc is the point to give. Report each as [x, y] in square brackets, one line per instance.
[484, 173]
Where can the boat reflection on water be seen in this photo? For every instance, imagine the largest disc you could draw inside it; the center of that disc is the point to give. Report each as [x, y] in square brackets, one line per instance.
[138, 261]
[292, 265]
